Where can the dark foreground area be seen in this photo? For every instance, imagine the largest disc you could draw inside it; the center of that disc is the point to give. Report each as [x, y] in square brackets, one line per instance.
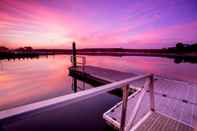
[83, 115]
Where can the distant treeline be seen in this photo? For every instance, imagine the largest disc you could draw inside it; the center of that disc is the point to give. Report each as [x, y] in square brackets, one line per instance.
[183, 48]
[26, 52]
[180, 48]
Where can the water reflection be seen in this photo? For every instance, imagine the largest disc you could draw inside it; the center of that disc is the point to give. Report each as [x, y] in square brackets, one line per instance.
[138, 64]
[74, 84]
[29, 80]
[192, 60]
[78, 87]
[177, 59]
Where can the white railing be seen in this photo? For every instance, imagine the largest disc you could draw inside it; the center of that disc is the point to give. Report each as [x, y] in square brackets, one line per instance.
[70, 98]
[148, 86]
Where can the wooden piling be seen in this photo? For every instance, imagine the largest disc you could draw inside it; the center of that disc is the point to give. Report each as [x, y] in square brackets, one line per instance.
[74, 55]
[74, 61]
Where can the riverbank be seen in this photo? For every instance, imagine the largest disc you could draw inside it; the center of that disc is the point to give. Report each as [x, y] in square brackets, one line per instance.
[13, 55]
[179, 56]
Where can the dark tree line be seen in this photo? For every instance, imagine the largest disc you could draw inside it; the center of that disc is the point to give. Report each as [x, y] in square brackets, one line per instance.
[179, 48]
[24, 52]
[183, 48]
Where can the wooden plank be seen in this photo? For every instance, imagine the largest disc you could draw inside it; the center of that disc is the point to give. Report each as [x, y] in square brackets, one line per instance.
[156, 121]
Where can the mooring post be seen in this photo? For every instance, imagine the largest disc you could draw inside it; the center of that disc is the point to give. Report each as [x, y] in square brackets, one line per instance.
[74, 61]
[74, 55]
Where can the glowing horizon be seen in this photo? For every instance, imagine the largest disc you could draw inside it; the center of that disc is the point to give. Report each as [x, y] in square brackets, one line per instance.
[97, 23]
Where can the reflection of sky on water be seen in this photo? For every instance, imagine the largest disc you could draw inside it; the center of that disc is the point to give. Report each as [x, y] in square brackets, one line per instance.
[26, 81]
[160, 66]
[29, 80]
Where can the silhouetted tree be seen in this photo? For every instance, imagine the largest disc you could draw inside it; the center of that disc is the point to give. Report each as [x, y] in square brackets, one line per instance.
[28, 48]
[179, 46]
[194, 47]
[3, 48]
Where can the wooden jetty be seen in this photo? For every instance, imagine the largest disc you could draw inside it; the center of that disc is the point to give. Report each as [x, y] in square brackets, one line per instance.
[97, 75]
[175, 102]
[157, 104]
[100, 73]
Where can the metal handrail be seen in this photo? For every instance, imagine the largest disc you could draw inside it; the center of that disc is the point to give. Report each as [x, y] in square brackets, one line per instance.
[82, 62]
[147, 86]
[70, 98]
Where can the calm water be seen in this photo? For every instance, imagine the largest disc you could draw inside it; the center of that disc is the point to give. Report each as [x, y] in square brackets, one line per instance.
[29, 80]
[160, 66]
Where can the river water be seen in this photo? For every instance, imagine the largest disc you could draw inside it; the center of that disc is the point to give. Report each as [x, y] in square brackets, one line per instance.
[26, 81]
[29, 80]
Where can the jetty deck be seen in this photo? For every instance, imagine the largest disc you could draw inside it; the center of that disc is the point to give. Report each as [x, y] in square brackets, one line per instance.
[101, 73]
[175, 102]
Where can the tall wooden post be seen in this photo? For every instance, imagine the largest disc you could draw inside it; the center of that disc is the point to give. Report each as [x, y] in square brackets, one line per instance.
[124, 107]
[74, 55]
[74, 61]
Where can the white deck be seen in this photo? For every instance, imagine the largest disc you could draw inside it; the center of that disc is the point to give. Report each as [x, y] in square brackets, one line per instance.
[175, 99]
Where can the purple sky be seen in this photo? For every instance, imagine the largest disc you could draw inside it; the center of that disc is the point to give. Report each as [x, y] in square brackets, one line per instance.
[97, 23]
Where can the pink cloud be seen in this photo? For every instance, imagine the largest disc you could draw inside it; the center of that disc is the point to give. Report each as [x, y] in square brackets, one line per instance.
[42, 25]
[184, 32]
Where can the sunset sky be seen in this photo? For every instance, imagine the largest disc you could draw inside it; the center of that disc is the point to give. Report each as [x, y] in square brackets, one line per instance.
[97, 23]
